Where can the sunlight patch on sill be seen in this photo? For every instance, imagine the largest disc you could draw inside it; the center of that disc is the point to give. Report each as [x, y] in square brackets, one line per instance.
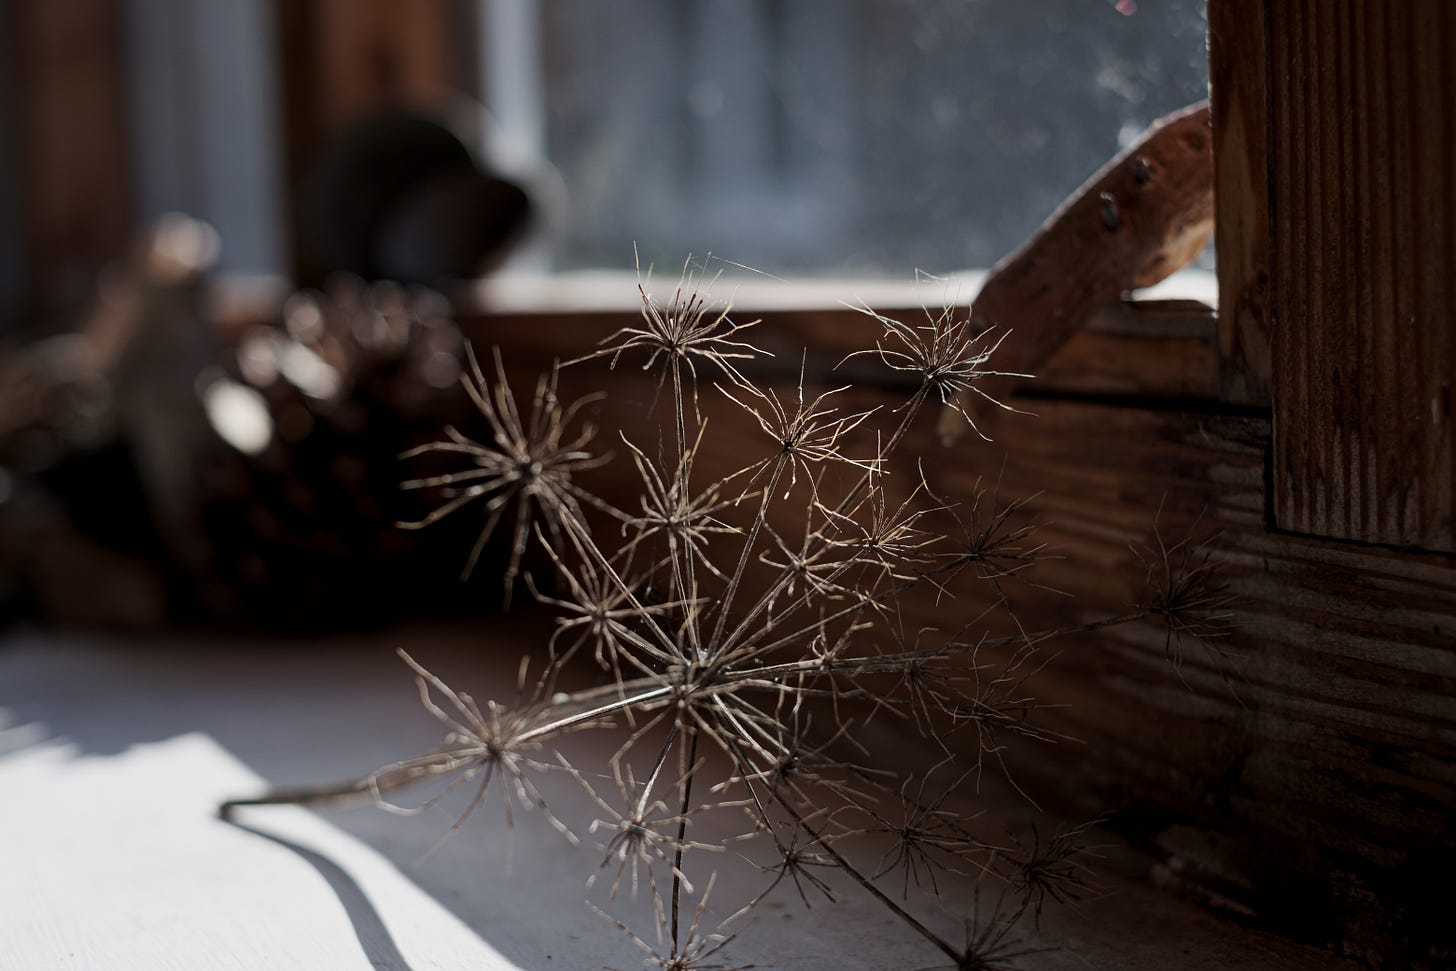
[616, 291]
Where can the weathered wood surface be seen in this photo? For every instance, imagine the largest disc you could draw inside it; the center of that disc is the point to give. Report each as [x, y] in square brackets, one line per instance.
[1147, 213]
[1362, 171]
[1305, 776]
[1161, 348]
[1152, 348]
[1238, 81]
[1310, 775]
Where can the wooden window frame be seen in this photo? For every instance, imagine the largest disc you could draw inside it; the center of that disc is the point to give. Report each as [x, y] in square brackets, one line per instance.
[1335, 126]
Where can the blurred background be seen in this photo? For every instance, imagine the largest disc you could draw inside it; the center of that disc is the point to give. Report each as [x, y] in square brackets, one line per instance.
[228, 225]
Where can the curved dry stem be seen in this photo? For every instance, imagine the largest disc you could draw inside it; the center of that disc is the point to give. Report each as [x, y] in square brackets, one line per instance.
[717, 624]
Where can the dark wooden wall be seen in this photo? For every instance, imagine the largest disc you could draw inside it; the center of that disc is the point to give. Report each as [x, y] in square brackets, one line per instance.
[1335, 149]
[69, 155]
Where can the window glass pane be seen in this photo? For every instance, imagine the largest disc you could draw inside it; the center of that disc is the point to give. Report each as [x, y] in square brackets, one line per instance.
[205, 122]
[827, 136]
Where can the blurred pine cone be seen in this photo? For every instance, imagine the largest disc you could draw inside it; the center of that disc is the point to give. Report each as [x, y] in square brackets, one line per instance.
[300, 509]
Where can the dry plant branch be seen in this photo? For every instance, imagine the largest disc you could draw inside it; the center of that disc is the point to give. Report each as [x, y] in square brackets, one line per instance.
[740, 657]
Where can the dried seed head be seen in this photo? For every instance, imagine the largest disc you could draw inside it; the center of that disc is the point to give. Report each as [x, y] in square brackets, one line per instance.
[527, 466]
[689, 328]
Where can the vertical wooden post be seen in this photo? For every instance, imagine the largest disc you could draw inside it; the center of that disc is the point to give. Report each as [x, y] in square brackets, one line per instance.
[1335, 148]
[12, 253]
[72, 151]
[1238, 81]
[342, 58]
[1362, 106]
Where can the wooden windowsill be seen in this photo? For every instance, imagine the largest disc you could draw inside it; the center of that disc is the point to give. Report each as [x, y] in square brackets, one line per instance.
[615, 291]
[1160, 343]
[114, 753]
[235, 297]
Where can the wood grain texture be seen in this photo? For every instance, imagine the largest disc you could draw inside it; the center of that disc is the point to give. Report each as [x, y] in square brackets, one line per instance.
[1157, 348]
[1363, 111]
[1308, 772]
[1238, 81]
[1162, 348]
[1303, 774]
[1147, 213]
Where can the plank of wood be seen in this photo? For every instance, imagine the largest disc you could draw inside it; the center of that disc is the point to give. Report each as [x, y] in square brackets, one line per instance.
[1308, 776]
[12, 248]
[376, 53]
[73, 154]
[1147, 213]
[339, 59]
[1162, 348]
[1363, 111]
[1237, 68]
[1151, 349]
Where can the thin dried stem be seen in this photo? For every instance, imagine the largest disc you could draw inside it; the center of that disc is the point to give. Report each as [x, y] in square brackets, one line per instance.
[754, 649]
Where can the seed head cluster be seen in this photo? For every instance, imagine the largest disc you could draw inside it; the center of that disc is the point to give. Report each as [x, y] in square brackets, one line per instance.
[746, 627]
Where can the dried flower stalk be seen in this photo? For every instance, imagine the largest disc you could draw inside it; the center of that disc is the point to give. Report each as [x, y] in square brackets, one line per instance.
[717, 634]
